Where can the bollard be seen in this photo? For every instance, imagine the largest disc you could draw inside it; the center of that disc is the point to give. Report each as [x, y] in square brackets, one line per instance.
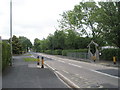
[38, 60]
[94, 58]
[42, 62]
[114, 60]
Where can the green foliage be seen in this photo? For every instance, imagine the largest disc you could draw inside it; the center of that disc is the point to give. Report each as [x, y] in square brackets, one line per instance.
[20, 45]
[107, 54]
[49, 51]
[87, 21]
[61, 40]
[64, 52]
[58, 52]
[54, 52]
[16, 45]
[26, 43]
[37, 44]
[6, 54]
[30, 59]
[110, 19]
[102, 21]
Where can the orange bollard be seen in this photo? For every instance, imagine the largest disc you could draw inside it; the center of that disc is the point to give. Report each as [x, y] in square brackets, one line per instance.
[42, 62]
[38, 60]
[114, 60]
[94, 58]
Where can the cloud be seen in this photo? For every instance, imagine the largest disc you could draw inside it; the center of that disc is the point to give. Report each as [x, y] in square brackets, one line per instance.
[33, 18]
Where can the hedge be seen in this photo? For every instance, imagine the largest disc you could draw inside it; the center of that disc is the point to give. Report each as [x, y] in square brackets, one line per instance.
[6, 55]
[53, 52]
[107, 54]
[64, 52]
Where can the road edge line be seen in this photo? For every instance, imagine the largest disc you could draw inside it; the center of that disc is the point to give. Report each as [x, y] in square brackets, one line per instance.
[65, 79]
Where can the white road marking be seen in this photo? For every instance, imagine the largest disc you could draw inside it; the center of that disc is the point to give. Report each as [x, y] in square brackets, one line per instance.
[92, 64]
[90, 69]
[65, 71]
[50, 67]
[76, 74]
[62, 80]
[105, 74]
[69, 81]
[75, 65]
[61, 61]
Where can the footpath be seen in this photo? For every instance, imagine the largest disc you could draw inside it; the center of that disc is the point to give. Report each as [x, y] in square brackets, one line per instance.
[27, 75]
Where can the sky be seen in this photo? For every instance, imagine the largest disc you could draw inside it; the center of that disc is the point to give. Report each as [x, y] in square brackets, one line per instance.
[32, 18]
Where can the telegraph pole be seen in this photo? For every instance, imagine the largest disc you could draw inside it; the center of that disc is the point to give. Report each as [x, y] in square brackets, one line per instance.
[11, 30]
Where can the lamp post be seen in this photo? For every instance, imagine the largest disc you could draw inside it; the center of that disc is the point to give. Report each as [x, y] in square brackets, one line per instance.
[11, 30]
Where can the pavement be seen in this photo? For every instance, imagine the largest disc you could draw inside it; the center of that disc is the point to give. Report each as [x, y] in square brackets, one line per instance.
[27, 75]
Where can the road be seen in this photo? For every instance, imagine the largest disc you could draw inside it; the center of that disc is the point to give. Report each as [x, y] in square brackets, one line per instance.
[83, 74]
[27, 75]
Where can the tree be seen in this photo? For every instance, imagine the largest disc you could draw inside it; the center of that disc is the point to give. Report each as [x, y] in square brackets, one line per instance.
[50, 42]
[108, 17]
[37, 44]
[16, 45]
[97, 21]
[26, 43]
[70, 39]
[44, 45]
[59, 39]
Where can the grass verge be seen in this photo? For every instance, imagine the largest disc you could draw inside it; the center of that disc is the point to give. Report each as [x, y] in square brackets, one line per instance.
[30, 59]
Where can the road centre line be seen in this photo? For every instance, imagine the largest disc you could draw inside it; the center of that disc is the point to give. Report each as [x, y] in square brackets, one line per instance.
[93, 70]
[65, 71]
[75, 65]
[96, 71]
[104, 74]
[90, 64]
[61, 61]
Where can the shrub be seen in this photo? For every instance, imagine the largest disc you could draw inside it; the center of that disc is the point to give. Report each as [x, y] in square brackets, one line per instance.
[107, 54]
[48, 51]
[64, 52]
[58, 52]
[6, 54]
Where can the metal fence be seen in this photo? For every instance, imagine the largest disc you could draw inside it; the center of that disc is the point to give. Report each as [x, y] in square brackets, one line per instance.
[78, 55]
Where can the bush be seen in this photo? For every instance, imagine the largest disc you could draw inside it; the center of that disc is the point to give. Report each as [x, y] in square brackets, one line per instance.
[64, 52]
[107, 54]
[58, 52]
[48, 51]
[6, 54]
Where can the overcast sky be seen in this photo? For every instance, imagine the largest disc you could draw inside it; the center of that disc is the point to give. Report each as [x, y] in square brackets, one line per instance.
[33, 18]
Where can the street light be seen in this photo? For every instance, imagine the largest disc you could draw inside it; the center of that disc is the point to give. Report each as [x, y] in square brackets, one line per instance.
[11, 30]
